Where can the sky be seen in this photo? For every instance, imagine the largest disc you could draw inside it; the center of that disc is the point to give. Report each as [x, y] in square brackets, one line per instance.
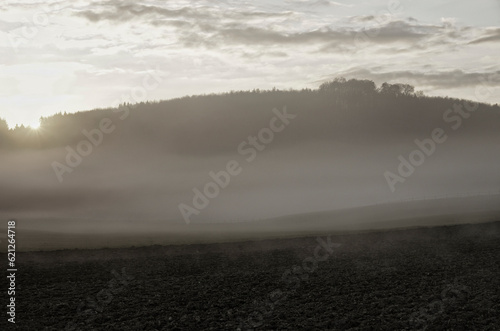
[67, 56]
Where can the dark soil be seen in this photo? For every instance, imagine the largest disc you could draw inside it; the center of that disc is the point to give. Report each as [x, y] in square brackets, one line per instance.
[445, 278]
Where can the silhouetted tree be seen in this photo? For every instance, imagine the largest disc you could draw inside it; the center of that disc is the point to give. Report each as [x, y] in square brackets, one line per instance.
[3, 126]
[397, 89]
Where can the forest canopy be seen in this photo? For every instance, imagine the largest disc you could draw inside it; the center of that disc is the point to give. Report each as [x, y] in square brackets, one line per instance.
[339, 103]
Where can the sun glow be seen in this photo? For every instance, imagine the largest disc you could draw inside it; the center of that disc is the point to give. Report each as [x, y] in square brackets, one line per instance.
[34, 125]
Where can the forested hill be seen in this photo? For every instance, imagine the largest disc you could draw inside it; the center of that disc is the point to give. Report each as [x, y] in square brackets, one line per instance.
[340, 110]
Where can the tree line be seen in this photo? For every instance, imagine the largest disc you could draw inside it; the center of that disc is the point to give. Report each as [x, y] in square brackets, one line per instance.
[337, 109]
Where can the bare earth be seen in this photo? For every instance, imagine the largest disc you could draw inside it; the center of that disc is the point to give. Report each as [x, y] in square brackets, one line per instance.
[440, 278]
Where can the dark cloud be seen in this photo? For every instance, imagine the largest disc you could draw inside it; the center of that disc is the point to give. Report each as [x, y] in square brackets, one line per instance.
[362, 18]
[318, 3]
[443, 79]
[174, 23]
[330, 39]
[488, 36]
[119, 12]
[213, 27]
[126, 12]
[400, 31]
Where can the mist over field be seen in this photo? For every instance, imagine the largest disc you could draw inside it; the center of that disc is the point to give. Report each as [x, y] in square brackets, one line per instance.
[293, 152]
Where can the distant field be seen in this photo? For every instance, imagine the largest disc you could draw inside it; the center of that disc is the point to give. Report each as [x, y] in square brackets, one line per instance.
[53, 234]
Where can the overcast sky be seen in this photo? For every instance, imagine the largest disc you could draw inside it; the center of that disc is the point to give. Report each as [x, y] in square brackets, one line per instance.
[61, 56]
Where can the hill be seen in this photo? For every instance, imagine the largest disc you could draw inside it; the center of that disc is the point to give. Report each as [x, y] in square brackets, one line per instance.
[346, 144]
